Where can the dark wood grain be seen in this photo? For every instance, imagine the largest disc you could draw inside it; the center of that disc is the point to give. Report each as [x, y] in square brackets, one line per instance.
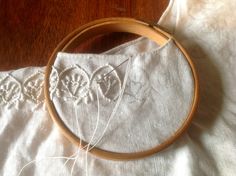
[30, 30]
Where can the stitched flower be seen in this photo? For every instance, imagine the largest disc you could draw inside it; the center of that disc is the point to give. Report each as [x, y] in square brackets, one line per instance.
[10, 91]
[75, 84]
[33, 87]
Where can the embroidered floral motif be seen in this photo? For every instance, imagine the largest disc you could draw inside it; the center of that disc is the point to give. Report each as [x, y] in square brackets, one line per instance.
[10, 91]
[76, 85]
[109, 85]
[33, 87]
[71, 84]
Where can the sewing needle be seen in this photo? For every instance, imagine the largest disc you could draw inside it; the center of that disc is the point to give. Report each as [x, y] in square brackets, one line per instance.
[114, 69]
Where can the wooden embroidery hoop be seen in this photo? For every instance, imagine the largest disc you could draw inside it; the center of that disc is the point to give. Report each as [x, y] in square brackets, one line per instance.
[108, 25]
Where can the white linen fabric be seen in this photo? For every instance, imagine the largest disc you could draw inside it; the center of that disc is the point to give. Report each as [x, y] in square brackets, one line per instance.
[206, 29]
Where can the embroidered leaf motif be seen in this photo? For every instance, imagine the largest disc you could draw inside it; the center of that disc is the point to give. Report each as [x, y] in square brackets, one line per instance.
[54, 79]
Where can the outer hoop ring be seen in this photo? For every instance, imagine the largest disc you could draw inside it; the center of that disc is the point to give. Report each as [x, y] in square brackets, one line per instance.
[73, 39]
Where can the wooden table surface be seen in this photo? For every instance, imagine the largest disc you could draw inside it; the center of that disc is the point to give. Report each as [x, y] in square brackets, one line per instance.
[30, 30]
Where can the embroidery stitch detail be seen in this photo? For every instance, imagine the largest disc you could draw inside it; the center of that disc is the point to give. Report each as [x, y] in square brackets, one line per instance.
[71, 84]
[10, 91]
[33, 87]
[76, 85]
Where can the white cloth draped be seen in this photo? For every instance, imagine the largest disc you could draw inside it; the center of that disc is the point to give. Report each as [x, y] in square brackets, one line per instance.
[207, 30]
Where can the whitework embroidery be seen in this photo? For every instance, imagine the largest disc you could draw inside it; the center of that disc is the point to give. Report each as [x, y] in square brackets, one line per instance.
[33, 87]
[75, 84]
[71, 84]
[13, 92]
[10, 91]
